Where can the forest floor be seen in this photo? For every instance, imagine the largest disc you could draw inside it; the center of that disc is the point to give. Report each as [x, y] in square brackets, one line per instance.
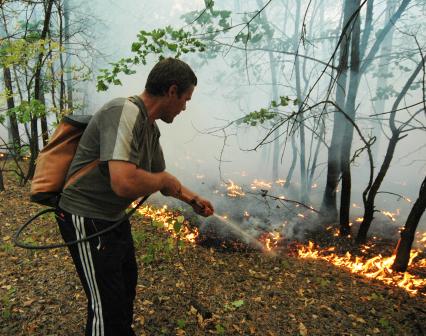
[199, 291]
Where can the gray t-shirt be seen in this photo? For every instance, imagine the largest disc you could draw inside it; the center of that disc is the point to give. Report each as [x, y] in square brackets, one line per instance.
[118, 131]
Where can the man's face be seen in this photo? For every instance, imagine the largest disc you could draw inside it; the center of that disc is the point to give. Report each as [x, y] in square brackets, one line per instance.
[175, 104]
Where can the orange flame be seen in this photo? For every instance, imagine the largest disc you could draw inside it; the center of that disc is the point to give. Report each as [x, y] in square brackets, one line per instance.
[168, 220]
[235, 190]
[374, 268]
[261, 184]
[270, 240]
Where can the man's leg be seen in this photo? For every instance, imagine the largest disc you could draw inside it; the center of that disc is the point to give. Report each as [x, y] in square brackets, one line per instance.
[130, 271]
[99, 263]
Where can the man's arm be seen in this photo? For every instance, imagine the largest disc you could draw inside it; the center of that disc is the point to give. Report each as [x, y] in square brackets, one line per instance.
[200, 205]
[131, 182]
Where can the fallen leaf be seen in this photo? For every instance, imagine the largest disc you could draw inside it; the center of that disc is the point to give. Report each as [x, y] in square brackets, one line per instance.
[302, 329]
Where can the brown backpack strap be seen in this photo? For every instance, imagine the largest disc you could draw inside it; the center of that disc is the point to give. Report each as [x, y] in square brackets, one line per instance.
[81, 172]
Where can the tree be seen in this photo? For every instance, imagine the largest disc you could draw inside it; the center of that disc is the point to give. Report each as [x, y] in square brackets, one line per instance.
[372, 189]
[407, 234]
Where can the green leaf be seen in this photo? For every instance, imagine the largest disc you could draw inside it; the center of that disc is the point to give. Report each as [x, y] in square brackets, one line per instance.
[177, 226]
[238, 303]
[220, 329]
[180, 219]
[136, 46]
[181, 323]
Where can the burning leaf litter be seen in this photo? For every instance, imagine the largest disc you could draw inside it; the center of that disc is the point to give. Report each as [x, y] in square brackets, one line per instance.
[378, 267]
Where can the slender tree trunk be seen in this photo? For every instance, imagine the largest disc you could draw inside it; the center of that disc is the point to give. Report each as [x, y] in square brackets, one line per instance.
[62, 88]
[345, 196]
[293, 163]
[407, 235]
[68, 62]
[43, 120]
[369, 205]
[16, 140]
[396, 132]
[316, 154]
[382, 79]
[1, 180]
[300, 117]
[329, 202]
[37, 93]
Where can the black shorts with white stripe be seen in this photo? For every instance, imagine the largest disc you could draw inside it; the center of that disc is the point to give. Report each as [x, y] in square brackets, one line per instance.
[106, 266]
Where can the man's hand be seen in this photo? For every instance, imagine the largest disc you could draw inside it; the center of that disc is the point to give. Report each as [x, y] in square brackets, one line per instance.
[171, 185]
[202, 206]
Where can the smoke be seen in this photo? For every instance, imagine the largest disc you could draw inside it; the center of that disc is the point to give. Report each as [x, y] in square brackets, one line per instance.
[234, 84]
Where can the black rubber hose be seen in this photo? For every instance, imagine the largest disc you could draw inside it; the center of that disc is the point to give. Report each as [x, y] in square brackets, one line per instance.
[52, 246]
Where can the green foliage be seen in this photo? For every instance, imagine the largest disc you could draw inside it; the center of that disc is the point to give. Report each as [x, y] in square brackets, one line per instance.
[6, 301]
[220, 330]
[161, 42]
[22, 51]
[158, 249]
[7, 247]
[264, 114]
[28, 110]
[139, 237]
[181, 323]
[234, 305]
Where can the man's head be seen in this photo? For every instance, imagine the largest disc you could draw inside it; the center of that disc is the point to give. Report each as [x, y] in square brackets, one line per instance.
[168, 72]
[172, 81]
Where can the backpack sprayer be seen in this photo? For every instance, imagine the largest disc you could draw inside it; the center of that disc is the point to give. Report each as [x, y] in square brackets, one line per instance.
[50, 176]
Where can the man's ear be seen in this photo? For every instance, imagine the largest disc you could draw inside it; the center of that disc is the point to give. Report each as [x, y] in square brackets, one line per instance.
[173, 89]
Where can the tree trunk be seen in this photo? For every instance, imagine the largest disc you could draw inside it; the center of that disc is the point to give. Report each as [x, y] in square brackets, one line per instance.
[329, 202]
[37, 93]
[407, 235]
[372, 192]
[1, 180]
[300, 117]
[16, 141]
[68, 60]
[369, 205]
[382, 80]
[328, 206]
[293, 163]
[345, 196]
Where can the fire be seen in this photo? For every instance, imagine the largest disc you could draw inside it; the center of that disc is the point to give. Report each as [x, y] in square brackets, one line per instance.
[167, 219]
[270, 240]
[391, 215]
[280, 182]
[235, 190]
[259, 184]
[374, 268]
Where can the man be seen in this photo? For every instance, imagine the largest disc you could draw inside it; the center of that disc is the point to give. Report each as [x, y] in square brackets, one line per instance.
[124, 138]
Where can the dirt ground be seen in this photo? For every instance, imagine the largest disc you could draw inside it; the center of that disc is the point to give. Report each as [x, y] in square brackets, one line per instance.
[199, 291]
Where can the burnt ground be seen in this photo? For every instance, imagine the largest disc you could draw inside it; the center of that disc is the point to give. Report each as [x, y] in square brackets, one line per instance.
[202, 290]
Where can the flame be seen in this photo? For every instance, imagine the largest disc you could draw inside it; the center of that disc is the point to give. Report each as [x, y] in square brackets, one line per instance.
[391, 215]
[359, 219]
[168, 219]
[280, 182]
[270, 240]
[235, 190]
[374, 268]
[261, 184]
